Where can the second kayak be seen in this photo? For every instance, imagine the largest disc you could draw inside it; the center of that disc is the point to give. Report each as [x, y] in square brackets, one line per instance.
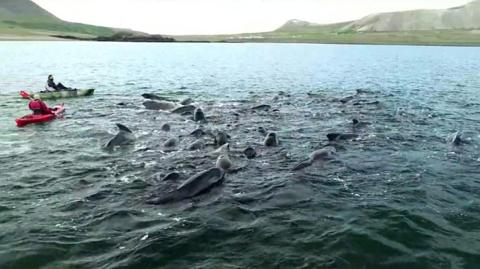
[62, 94]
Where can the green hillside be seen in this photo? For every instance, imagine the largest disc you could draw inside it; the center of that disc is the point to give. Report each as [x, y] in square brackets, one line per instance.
[455, 26]
[25, 10]
[327, 35]
[24, 18]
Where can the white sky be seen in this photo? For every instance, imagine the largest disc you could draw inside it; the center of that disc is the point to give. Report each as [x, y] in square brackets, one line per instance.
[223, 16]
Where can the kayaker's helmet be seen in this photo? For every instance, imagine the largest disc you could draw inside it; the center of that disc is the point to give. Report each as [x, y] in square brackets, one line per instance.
[50, 76]
[34, 105]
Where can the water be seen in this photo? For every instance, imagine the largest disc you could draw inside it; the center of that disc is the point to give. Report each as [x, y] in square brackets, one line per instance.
[400, 196]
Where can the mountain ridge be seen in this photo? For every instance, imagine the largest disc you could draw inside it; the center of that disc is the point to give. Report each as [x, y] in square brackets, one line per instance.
[466, 17]
[459, 29]
[25, 9]
[24, 19]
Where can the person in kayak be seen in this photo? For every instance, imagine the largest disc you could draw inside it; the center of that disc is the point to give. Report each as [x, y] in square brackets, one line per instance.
[52, 85]
[39, 107]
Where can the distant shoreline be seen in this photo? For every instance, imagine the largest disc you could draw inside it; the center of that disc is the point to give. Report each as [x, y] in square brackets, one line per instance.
[60, 39]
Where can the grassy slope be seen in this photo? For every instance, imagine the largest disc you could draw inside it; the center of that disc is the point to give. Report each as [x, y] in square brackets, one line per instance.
[327, 35]
[304, 32]
[444, 37]
[48, 29]
[63, 28]
[23, 18]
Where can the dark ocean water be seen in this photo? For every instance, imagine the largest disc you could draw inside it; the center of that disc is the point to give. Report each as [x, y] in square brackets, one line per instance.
[399, 196]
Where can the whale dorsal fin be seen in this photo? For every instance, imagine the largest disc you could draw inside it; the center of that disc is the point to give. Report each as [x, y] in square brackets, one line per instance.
[123, 128]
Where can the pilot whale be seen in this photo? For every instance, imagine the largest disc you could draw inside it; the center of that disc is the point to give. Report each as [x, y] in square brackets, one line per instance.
[123, 137]
[194, 186]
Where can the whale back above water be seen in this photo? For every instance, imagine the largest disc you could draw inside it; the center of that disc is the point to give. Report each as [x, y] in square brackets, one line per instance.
[158, 105]
[202, 181]
[194, 186]
[184, 109]
[152, 96]
[316, 156]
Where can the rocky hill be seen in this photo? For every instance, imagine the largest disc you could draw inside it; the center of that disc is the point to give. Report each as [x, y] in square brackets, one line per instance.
[465, 17]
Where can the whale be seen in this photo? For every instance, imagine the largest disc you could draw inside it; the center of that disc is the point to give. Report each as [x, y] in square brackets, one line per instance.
[196, 145]
[171, 176]
[161, 105]
[456, 139]
[359, 124]
[152, 96]
[224, 162]
[250, 153]
[271, 140]
[262, 107]
[166, 127]
[198, 115]
[316, 156]
[198, 132]
[262, 130]
[196, 185]
[347, 99]
[341, 136]
[186, 101]
[189, 109]
[221, 139]
[170, 143]
[123, 137]
[225, 148]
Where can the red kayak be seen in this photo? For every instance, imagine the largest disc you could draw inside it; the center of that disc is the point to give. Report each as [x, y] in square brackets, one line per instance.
[59, 109]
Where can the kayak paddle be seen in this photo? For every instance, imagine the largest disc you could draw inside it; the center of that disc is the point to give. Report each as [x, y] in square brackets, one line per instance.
[26, 95]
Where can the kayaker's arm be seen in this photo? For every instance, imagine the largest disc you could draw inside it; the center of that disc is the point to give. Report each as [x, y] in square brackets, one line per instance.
[45, 108]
